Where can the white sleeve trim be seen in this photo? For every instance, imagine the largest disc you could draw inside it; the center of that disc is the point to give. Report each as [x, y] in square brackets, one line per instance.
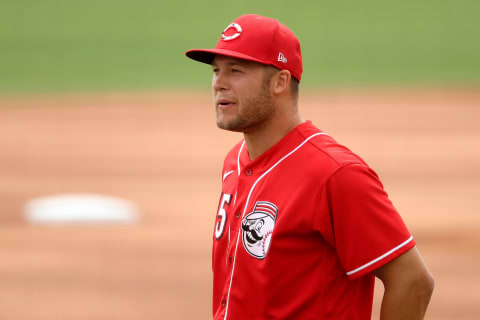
[381, 257]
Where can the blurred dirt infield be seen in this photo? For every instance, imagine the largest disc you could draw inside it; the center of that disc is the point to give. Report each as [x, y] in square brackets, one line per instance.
[164, 152]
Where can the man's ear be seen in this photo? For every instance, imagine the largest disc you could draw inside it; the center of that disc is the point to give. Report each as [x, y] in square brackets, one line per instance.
[281, 82]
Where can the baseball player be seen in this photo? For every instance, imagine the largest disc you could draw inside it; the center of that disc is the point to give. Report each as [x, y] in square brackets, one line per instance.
[303, 224]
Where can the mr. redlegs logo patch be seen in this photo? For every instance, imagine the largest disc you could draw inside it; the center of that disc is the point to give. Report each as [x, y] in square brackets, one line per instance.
[257, 229]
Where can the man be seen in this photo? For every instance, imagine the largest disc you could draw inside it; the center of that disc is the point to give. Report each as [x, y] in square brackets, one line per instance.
[303, 224]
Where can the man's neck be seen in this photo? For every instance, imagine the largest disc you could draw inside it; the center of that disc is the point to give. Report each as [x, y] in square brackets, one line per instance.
[266, 137]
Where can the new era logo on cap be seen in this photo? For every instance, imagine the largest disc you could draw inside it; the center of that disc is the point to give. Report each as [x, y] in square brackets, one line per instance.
[256, 38]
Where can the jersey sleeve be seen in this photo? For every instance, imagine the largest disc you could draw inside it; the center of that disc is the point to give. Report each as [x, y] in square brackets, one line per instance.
[367, 230]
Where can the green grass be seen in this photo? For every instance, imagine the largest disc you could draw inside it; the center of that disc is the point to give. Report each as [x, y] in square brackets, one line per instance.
[104, 44]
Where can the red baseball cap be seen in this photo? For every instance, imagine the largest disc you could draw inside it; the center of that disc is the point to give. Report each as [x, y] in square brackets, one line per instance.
[256, 38]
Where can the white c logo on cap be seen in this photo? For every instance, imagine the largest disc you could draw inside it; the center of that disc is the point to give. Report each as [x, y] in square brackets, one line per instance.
[233, 36]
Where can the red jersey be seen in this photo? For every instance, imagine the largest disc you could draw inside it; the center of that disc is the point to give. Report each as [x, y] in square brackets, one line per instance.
[299, 230]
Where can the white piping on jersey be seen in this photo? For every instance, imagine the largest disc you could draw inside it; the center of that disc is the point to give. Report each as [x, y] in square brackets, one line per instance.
[228, 245]
[238, 158]
[381, 257]
[226, 174]
[248, 199]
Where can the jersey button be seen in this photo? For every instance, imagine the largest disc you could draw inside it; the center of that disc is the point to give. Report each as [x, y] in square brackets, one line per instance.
[230, 259]
[224, 303]
[237, 214]
[248, 172]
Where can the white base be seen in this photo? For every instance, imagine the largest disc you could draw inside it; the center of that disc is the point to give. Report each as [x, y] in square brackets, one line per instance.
[80, 208]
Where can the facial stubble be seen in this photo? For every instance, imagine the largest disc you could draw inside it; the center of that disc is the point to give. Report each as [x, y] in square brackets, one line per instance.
[254, 113]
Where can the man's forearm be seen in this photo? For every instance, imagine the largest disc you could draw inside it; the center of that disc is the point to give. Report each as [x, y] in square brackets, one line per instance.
[408, 287]
[409, 302]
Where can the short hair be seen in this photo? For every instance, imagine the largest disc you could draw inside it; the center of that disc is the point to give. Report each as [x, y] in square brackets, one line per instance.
[294, 84]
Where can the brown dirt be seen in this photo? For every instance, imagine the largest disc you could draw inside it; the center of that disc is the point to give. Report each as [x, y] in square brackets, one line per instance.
[163, 151]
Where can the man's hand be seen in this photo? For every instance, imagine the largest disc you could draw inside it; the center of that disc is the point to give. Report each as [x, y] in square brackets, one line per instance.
[408, 287]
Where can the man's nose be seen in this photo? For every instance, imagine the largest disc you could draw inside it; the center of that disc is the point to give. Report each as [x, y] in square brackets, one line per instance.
[219, 81]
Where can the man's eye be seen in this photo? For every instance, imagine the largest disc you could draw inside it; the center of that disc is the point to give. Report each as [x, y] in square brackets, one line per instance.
[236, 71]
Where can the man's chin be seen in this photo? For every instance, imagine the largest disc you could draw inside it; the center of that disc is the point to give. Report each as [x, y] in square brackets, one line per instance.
[229, 125]
[227, 128]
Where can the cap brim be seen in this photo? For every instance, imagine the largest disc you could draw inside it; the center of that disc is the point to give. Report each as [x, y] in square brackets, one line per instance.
[208, 55]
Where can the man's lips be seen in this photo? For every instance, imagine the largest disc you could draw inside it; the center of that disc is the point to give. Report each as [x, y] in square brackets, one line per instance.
[225, 103]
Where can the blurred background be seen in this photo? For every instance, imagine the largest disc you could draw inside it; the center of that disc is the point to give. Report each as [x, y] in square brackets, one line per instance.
[97, 97]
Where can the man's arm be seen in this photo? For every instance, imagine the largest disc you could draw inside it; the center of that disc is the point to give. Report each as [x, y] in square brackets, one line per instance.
[408, 287]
